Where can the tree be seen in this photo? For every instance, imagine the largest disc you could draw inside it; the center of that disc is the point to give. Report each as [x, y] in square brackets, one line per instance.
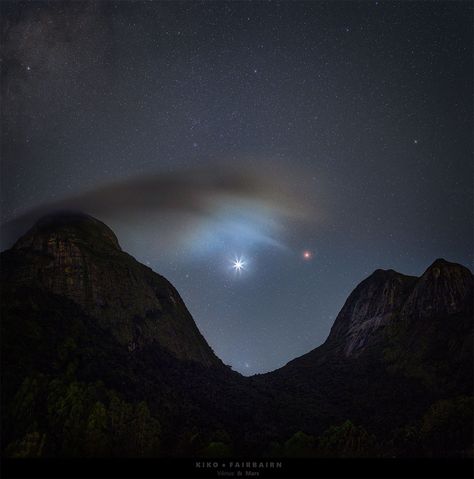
[300, 445]
[120, 419]
[31, 445]
[68, 409]
[25, 404]
[347, 440]
[216, 449]
[446, 428]
[406, 441]
[97, 443]
[146, 431]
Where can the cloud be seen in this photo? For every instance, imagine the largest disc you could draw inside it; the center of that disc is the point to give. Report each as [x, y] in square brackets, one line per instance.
[194, 210]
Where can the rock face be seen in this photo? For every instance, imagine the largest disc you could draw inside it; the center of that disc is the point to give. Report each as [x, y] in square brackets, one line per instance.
[398, 345]
[78, 257]
[443, 289]
[369, 308]
[386, 297]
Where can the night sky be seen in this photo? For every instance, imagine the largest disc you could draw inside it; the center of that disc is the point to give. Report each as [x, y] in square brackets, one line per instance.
[209, 132]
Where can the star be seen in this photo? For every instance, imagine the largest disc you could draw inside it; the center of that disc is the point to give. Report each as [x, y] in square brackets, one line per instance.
[238, 264]
[415, 141]
[307, 255]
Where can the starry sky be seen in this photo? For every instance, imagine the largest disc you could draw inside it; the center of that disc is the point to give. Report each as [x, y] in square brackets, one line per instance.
[209, 132]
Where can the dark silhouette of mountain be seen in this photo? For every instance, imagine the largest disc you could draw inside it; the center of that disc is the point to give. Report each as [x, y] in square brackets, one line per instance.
[79, 258]
[399, 345]
[387, 298]
[100, 357]
[95, 344]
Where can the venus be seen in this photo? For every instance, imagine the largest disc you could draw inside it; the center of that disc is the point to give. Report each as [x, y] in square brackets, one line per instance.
[238, 264]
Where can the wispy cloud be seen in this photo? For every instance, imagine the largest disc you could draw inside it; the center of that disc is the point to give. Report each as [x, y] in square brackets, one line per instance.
[196, 209]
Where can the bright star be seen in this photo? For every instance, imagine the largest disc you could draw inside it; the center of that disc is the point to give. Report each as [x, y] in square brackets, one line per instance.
[307, 255]
[238, 264]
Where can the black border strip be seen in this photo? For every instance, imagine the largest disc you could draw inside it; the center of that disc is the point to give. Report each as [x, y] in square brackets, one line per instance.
[237, 468]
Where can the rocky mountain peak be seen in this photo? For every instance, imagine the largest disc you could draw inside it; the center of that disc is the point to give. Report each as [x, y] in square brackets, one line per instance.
[78, 257]
[369, 308]
[73, 227]
[444, 288]
[442, 267]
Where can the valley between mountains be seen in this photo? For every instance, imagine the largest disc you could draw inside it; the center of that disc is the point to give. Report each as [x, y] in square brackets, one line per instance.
[100, 357]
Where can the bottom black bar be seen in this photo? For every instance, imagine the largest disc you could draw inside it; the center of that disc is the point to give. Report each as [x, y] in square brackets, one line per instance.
[237, 468]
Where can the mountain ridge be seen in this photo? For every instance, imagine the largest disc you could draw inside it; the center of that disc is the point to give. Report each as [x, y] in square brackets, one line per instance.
[105, 342]
[74, 255]
[352, 330]
[52, 232]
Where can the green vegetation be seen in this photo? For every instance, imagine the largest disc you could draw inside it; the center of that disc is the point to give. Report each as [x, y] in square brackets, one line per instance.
[80, 420]
[299, 445]
[447, 426]
[347, 440]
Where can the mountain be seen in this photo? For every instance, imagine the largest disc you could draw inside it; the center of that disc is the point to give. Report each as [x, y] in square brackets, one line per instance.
[398, 345]
[100, 357]
[370, 308]
[443, 289]
[387, 299]
[79, 258]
